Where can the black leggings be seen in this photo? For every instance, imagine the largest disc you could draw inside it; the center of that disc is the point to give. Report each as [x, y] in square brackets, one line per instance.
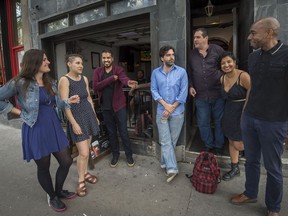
[64, 159]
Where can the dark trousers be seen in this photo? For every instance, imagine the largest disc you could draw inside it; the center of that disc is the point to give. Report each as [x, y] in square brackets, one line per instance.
[114, 120]
[266, 139]
[204, 108]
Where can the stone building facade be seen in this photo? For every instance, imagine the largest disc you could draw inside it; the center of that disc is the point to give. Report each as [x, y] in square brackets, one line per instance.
[87, 26]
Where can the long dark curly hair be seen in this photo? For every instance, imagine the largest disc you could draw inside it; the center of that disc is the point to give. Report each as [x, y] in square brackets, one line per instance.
[31, 62]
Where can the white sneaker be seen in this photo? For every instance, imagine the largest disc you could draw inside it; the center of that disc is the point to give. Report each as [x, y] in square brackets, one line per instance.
[171, 176]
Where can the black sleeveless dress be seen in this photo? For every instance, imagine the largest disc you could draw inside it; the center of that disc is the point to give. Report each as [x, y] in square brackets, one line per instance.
[234, 102]
[82, 112]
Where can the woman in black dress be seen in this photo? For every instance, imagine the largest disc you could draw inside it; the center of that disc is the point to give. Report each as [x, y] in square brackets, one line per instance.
[235, 84]
[82, 121]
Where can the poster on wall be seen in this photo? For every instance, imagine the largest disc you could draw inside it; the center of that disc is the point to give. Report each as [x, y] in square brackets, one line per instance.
[95, 59]
[145, 55]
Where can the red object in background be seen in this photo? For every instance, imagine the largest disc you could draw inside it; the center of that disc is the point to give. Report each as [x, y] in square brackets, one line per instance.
[2, 72]
[13, 50]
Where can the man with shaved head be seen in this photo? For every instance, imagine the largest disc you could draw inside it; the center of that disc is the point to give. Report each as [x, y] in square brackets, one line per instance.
[265, 116]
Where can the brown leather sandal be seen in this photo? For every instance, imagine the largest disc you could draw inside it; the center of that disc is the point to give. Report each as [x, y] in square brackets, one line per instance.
[81, 191]
[90, 178]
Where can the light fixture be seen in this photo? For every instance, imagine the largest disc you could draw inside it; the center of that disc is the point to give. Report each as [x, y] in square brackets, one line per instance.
[209, 9]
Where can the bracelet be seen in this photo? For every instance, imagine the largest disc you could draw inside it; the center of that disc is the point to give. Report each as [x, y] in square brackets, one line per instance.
[66, 100]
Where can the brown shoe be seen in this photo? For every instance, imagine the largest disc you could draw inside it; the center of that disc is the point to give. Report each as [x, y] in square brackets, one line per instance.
[270, 213]
[242, 199]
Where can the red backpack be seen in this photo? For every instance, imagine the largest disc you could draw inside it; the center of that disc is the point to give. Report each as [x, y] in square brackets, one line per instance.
[206, 175]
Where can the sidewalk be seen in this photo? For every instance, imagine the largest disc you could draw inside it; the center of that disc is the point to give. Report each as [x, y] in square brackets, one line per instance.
[122, 191]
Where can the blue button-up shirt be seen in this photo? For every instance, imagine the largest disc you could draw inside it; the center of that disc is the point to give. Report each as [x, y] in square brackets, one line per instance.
[170, 87]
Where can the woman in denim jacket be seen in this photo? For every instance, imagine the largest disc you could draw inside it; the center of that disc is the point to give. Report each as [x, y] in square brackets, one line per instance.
[42, 134]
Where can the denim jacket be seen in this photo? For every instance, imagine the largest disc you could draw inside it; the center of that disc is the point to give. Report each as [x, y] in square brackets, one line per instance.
[30, 104]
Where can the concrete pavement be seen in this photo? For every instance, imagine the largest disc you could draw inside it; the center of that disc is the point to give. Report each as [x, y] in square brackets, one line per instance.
[122, 191]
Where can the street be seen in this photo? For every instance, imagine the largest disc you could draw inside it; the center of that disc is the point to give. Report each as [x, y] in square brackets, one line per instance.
[122, 191]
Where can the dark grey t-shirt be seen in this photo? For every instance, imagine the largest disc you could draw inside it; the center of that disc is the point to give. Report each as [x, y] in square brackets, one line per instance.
[107, 93]
[204, 72]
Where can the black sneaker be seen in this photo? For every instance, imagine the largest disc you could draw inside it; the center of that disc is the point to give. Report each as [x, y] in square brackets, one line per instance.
[57, 205]
[65, 194]
[114, 161]
[130, 161]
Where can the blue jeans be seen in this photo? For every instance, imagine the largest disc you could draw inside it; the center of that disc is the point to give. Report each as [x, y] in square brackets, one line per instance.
[266, 138]
[113, 120]
[204, 108]
[169, 132]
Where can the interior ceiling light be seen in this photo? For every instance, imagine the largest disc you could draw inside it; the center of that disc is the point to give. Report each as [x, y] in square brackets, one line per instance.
[209, 9]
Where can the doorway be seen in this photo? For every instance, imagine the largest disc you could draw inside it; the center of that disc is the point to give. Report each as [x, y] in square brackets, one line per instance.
[222, 27]
[129, 40]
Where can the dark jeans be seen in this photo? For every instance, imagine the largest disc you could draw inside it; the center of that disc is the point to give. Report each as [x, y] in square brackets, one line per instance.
[114, 120]
[204, 109]
[266, 139]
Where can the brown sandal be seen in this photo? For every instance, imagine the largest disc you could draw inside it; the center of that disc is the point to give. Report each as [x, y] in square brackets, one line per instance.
[81, 190]
[90, 178]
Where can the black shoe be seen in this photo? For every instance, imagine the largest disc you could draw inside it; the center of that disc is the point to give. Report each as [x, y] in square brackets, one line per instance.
[114, 161]
[65, 194]
[57, 205]
[130, 161]
[235, 171]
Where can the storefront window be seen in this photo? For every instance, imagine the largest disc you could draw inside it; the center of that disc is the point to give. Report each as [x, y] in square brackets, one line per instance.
[11, 42]
[20, 54]
[1, 61]
[17, 19]
[90, 15]
[128, 5]
[56, 25]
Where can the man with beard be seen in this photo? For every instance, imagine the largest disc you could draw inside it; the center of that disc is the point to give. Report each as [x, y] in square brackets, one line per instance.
[169, 87]
[264, 121]
[108, 82]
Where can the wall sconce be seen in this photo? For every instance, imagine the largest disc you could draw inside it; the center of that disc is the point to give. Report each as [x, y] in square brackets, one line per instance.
[209, 9]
